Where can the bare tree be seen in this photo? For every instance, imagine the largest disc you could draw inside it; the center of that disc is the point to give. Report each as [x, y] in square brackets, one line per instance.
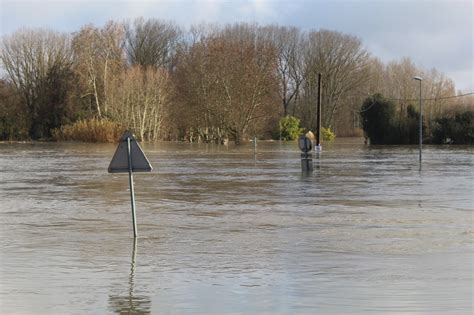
[151, 42]
[343, 64]
[288, 43]
[193, 112]
[38, 63]
[246, 63]
[228, 82]
[438, 88]
[98, 56]
[138, 99]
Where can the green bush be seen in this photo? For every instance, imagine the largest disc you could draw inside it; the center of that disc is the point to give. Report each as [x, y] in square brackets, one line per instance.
[458, 129]
[289, 128]
[327, 134]
[409, 128]
[383, 125]
[377, 119]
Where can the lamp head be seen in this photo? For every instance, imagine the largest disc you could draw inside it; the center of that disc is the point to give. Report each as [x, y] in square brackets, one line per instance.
[418, 78]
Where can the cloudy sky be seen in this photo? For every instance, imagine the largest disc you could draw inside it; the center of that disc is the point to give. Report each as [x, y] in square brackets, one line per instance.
[433, 33]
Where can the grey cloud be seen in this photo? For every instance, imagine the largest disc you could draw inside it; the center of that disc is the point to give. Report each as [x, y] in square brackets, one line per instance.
[435, 34]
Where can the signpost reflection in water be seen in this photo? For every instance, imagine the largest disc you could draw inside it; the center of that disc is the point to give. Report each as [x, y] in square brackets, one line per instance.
[131, 304]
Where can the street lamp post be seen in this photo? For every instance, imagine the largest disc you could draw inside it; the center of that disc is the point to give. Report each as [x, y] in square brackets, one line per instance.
[421, 117]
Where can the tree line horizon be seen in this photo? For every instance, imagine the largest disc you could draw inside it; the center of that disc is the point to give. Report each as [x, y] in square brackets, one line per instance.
[207, 83]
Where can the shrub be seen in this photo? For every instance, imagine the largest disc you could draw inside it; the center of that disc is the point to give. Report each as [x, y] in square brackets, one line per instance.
[91, 130]
[14, 123]
[458, 129]
[290, 128]
[377, 119]
[380, 123]
[327, 134]
[409, 128]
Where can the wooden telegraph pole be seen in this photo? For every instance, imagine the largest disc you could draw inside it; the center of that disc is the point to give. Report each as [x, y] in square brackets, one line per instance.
[318, 117]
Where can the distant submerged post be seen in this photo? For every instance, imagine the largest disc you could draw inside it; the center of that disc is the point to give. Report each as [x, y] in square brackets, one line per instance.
[129, 158]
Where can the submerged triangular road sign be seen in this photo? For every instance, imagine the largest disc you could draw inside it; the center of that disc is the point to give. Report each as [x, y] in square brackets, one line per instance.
[119, 163]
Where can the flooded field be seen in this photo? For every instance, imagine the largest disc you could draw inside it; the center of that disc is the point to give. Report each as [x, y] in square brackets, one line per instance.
[223, 230]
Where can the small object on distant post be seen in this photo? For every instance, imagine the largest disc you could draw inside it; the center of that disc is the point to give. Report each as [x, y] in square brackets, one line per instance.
[255, 143]
[129, 158]
[312, 137]
[306, 146]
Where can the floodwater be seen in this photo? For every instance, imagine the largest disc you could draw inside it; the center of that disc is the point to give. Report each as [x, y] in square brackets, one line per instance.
[225, 231]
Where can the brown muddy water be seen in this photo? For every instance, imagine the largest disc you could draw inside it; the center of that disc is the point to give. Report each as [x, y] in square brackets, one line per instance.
[225, 231]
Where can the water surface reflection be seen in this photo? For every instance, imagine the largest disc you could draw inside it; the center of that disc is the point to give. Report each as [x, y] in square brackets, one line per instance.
[229, 230]
[131, 303]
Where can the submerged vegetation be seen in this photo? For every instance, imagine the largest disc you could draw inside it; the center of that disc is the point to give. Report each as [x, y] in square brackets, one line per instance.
[212, 84]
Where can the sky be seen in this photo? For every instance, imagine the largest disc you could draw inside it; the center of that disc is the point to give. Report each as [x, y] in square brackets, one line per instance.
[433, 33]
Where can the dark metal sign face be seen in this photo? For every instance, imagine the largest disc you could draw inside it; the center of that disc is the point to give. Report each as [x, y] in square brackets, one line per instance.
[119, 163]
[305, 144]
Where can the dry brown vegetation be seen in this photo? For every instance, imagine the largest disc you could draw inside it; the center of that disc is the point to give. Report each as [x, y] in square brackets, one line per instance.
[91, 130]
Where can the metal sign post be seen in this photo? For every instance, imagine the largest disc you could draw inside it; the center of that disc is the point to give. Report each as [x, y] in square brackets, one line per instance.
[132, 191]
[129, 158]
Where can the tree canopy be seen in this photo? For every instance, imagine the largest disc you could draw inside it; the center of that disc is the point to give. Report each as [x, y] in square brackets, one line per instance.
[209, 83]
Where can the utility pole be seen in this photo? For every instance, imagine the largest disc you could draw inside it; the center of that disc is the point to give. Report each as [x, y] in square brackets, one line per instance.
[318, 117]
[421, 119]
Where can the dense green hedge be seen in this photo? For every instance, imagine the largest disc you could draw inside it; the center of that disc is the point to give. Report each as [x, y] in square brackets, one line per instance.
[382, 125]
[458, 129]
